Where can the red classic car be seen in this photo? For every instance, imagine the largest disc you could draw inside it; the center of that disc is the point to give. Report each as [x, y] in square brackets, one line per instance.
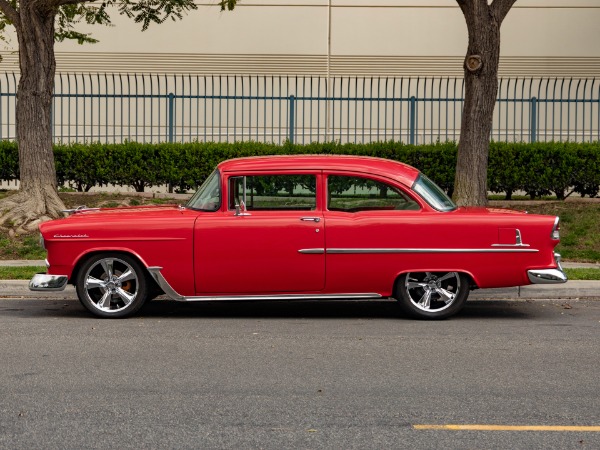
[300, 227]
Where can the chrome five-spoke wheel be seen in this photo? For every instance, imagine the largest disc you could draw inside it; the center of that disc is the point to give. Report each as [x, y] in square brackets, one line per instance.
[432, 295]
[112, 285]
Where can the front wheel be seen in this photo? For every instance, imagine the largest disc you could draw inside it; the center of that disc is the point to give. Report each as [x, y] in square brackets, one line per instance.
[432, 295]
[112, 285]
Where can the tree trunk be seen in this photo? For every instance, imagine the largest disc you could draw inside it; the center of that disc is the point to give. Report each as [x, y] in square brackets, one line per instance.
[481, 87]
[38, 198]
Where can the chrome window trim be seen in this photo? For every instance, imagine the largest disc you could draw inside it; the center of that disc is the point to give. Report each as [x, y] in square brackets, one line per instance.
[170, 292]
[312, 251]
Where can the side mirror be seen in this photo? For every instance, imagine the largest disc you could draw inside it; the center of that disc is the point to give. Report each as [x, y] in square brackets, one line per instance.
[240, 209]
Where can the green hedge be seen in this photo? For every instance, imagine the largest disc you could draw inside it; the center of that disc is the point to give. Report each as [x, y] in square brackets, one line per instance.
[538, 169]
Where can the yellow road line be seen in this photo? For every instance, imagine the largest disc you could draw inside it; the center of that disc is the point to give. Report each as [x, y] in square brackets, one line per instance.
[508, 427]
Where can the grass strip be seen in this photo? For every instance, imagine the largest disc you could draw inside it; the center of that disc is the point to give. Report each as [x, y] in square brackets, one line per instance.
[19, 273]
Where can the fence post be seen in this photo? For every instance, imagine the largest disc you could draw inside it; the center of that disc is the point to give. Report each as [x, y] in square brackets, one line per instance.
[413, 117]
[52, 119]
[292, 119]
[171, 119]
[533, 120]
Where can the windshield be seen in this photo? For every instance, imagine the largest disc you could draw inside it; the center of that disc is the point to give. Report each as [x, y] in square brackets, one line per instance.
[208, 196]
[433, 194]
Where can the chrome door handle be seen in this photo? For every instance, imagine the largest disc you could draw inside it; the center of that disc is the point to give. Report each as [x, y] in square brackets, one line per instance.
[310, 219]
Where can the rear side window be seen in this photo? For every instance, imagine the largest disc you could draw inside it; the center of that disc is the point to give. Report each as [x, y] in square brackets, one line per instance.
[354, 194]
[433, 194]
[273, 192]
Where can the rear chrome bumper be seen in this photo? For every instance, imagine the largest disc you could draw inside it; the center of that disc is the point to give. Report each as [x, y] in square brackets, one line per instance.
[548, 276]
[45, 282]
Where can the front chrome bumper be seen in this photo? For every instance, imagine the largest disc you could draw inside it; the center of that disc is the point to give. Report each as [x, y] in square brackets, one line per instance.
[45, 282]
[548, 276]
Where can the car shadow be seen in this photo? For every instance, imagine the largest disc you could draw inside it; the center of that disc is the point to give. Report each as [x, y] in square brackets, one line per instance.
[342, 309]
[338, 309]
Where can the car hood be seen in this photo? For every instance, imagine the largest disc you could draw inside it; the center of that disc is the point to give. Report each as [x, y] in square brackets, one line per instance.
[133, 211]
[131, 217]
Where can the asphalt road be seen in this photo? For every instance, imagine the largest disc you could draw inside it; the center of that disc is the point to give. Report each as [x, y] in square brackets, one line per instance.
[297, 375]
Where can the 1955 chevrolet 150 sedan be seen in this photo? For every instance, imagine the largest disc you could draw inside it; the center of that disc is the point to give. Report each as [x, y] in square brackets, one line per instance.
[300, 227]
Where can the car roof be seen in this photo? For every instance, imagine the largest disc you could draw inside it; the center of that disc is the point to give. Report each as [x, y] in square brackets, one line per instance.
[363, 164]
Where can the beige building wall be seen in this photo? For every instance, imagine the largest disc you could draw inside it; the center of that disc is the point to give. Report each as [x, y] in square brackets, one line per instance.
[338, 37]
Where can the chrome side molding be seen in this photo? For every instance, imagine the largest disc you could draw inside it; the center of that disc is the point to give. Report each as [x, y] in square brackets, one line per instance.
[163, 284]
[171, 293]
[512, 249]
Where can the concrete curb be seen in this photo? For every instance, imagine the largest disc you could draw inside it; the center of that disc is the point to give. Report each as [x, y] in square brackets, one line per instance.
[571, 289]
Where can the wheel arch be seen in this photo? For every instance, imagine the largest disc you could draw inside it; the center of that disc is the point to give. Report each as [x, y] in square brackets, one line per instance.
[472, 281]
[84, 257]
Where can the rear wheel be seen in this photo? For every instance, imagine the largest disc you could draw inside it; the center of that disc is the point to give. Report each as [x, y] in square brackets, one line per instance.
[432, 295]
[112, 285]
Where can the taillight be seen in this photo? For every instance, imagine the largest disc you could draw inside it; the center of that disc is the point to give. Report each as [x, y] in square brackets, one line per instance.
[556, 230]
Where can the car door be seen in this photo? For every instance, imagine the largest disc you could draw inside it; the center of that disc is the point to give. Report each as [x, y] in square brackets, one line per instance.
[369, 221]
[269, 237]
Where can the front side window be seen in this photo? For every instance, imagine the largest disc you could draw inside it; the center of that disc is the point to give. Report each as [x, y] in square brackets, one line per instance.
[208, 196]
[273, 192]
[354, 194]
[433, 194]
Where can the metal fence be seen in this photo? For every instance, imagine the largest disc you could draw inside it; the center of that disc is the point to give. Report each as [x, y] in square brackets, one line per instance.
[160, 108]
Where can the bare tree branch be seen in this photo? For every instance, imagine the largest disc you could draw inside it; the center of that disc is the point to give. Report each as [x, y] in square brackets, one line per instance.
[500, 8]
[10, 12]
[67, 2]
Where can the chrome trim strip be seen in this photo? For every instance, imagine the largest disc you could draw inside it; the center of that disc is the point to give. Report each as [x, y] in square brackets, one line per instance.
[44, 282]
[217, 298]
[428, 250]
[163, 284]
[558, 260]
[312, 251]
[518, 239]
[169, 291]
[511, 245]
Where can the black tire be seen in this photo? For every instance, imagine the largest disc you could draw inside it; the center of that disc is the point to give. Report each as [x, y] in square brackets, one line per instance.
[112, 285]
[432, 295]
